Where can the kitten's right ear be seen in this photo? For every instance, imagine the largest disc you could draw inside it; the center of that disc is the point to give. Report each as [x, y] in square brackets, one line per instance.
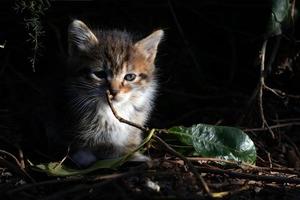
[80, 38]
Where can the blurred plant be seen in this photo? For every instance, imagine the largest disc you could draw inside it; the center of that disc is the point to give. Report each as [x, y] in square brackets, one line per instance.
[32, 11]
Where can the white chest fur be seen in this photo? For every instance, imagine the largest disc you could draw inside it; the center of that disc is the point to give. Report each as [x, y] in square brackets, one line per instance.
[110, 130]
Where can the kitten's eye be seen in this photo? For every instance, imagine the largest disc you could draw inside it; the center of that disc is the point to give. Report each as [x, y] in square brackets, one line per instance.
[100, 74]
[129, 77]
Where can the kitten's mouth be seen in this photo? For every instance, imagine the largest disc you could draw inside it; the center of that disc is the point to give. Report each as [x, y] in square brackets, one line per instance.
[111, 97]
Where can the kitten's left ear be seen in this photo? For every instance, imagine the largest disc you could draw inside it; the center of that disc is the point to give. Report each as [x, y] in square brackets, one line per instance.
[148, 45]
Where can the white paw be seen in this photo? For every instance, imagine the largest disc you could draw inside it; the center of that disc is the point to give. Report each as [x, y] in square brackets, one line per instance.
[138, 157]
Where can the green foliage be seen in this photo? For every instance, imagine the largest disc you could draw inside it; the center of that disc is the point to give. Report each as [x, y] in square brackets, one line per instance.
[59, 169]
[217, 141]
[281, 16]
[206, 140]
[32, 11]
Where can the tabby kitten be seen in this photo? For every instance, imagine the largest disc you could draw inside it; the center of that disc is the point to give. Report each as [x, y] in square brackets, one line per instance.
[114, 61]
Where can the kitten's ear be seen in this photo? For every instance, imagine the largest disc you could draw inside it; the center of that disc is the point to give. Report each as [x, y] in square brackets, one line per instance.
[80, 38]
[148, 45]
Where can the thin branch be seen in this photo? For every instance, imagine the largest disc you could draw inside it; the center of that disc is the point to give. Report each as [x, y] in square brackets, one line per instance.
[44, 183]
[144, 129]
[187, 161]
[280, 93]
[246, 166]
[267, 178]
[85, 188]
[158, 139]
[21, 156]
[287, 120]
[261, 88]
[272, 127]
[16, 169]
[11, 156]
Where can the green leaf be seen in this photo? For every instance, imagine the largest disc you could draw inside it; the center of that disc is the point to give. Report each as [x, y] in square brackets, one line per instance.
[280, 16]
[217, 141]
[59, 169]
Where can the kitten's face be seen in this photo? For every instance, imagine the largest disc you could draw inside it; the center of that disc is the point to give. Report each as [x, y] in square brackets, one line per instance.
[101, 61]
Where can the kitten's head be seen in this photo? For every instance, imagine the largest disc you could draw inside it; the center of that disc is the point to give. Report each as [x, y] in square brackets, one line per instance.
[111, 60]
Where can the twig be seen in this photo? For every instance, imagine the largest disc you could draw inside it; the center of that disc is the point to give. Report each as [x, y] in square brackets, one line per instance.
[280, 93]
[287, 120]
[187, 161]
[261, 88]
[272, 127]
[277, 179]
[44, 183]
[244, 166]
[21, 155]
[94, 186]
[122, 119]
[16, 169]
[158, 139]
[270, 159]
[73, 179]
[11, 156]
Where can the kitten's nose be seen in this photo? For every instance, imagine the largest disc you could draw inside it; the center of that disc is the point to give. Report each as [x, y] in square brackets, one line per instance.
[114, 92]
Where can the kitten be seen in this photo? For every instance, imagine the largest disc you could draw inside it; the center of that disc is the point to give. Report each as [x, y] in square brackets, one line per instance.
[114, 61]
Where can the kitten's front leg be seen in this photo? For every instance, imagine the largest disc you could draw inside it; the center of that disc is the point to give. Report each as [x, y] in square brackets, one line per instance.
[83, 158]
[138, 157]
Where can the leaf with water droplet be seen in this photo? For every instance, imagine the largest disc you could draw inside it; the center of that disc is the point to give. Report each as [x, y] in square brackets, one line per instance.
[217, 141]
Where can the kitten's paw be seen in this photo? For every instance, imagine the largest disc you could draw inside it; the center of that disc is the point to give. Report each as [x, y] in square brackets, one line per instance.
[138, 157]
[83, 158]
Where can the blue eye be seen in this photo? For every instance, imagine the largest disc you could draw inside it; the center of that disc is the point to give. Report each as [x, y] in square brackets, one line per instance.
[129, 77]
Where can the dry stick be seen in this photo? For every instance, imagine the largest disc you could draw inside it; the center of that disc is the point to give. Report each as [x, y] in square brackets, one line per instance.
[273, 127]
[64, 181]
[270, 159]
[187, 161]
[261, 88]
[16, 169]
[11, 156]
[277, 179]
[263, 85]
[44, 183]
[280, 93]
[75, 179]
[246, 166]
[170, 149]
[289, 120]
[94, 186]
[122, 119]
[20, 164]
[21, 155]
[248, 176]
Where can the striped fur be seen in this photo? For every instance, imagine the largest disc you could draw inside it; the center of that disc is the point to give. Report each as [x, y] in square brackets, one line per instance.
[99, 61]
